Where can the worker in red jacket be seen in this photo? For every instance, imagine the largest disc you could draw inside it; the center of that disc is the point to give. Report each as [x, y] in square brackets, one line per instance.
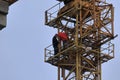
[64, 38]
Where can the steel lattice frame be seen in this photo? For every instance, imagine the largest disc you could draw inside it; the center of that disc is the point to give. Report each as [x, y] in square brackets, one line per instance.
[89, 25]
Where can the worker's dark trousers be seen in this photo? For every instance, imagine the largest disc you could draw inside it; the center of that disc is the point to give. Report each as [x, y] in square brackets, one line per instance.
[55, 50]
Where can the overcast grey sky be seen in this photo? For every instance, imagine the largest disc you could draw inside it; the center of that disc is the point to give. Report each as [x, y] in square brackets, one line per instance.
[23, 41]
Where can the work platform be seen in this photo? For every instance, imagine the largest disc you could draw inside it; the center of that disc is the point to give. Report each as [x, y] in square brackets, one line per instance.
[66, 58]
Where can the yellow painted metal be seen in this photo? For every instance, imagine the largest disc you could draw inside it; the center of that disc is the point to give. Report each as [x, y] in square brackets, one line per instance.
[90, 28]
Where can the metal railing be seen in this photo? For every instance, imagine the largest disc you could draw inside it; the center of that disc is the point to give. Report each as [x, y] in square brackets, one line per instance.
[52, 12]
[108, 49]
[48, 52]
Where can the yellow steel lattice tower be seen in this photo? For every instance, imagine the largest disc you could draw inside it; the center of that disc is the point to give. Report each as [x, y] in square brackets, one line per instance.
[90, 29]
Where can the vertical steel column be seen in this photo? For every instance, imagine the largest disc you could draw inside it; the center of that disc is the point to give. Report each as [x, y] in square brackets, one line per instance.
[77, 34]
[112, 16]
[58, 73]
[63, 73]
[77, 54]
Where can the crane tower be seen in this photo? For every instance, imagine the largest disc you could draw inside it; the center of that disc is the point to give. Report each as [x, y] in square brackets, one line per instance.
[89, 25]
